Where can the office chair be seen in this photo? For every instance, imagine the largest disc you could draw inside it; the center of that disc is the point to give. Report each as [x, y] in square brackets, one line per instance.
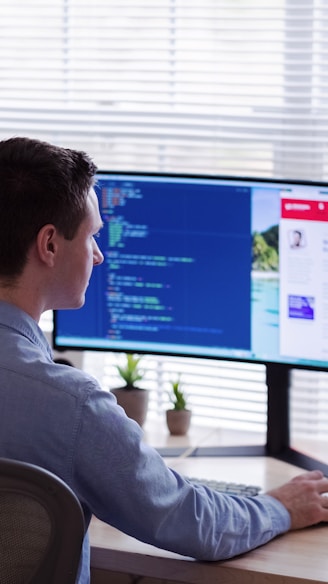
[41, 526]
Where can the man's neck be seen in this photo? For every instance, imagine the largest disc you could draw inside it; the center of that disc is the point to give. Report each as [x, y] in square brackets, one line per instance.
[20, 297]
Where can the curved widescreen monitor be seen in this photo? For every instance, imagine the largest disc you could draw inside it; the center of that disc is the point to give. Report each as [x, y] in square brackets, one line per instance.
[207, 266]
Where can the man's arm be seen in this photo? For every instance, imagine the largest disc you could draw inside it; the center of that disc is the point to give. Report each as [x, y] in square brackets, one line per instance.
[127, 484]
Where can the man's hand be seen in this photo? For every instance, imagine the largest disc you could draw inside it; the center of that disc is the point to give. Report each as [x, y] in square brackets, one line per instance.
[304, 499]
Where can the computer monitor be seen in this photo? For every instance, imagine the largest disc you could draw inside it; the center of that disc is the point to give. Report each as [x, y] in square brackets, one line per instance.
[209, 266]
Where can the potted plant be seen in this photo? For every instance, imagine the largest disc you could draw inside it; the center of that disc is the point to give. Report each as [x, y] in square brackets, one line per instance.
[132, 398]
[178, 418]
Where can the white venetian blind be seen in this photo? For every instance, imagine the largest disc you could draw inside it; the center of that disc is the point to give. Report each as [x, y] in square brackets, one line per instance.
[235, 87]
[210, 86]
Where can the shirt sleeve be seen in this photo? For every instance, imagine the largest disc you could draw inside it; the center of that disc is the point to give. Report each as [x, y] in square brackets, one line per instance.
[127, 484]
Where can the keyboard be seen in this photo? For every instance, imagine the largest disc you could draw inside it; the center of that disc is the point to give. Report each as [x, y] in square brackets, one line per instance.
[240, 489]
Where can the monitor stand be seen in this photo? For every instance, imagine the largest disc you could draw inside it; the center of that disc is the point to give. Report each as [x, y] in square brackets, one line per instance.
[278, 431]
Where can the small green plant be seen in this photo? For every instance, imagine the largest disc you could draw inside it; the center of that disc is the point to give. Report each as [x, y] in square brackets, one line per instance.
[130, 372]
[177, 398]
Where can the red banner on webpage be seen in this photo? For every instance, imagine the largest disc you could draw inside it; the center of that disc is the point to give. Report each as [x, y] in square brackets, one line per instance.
[304, 209]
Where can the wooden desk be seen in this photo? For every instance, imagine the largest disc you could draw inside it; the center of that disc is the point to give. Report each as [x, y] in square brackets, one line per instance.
[293, 558]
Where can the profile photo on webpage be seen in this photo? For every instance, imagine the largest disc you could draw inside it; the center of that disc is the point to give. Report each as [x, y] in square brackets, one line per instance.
[296, 238]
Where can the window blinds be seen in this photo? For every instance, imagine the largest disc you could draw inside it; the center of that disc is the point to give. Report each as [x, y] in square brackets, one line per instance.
[185, 85]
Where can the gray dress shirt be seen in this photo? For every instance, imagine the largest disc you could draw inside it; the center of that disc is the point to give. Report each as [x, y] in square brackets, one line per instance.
[58, 417]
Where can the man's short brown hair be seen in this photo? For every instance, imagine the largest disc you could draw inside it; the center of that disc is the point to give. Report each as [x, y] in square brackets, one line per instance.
[39, 184]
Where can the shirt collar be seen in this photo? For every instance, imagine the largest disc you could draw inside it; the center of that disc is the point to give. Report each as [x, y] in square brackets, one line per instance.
[13, 317]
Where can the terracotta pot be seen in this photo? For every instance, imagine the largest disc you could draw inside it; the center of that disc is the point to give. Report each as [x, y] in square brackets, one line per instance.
[134, 402]
[178, 421]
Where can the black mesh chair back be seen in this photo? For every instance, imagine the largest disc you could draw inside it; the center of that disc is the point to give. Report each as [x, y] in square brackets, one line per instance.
[41, 526]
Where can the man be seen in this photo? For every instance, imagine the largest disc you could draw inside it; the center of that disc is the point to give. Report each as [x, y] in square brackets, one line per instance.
[59, 418]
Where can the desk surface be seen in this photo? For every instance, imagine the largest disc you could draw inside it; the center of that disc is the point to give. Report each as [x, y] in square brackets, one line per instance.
[296, 557]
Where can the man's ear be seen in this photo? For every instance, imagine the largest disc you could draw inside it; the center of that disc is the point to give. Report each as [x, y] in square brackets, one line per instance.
[47, 244]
